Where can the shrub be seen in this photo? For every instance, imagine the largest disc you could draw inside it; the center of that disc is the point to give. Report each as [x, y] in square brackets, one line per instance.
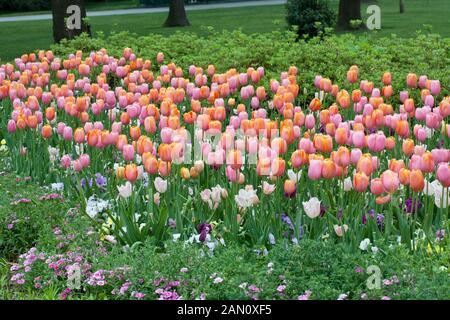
[311, 17]
[20, 5]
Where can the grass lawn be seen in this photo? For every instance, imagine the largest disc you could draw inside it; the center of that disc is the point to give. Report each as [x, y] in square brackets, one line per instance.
[90, 6]
[17, 38]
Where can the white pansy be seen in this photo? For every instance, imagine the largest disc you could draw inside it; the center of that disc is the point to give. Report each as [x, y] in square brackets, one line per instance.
[95, 206]
[57, 186]
[312, 207]
[363, 245]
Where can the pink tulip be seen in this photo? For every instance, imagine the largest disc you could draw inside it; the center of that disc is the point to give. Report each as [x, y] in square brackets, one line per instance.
[128, 152]
[11, 126]
[85, 160]
[376, 142]
[310, 121]
[432, 120]
[403, 96]
[65, 161]
[443, 174]
[67, 133]
[435, 87]
[423, 81]
[415, 162]
[358, 138]
[315, 169]
[232, 175]
[376, 186]
[390, 181]
[77, 166]
[440, 155]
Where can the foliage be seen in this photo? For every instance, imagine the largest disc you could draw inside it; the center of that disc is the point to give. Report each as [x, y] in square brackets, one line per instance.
[311, 17]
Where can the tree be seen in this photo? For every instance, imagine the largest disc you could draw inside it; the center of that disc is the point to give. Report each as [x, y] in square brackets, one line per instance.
[177, 15]
[69, 19]
[402, 6]
[348, 10]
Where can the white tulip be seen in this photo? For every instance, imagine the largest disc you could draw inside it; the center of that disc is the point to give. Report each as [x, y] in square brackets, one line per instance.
[125, 190]
[312, 207]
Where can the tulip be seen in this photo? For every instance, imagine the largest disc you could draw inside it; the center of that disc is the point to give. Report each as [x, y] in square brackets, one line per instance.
[46, 131]
[365, 165]
[340, 230]
[408, 147]
[67, 133]
[298, 158]
[11, 127]
[390, 181]
[85, 160]
[315, 169]
[160, 185]
[131, 172]
[79, 135]
[328, 169]
[126, 190]
[416, 180]
[268, 188]
[383, 200]
[443, 174]
[278, 167]
[65, 161]
[310, 121]
[184, 173]
[289, 188]
[376, 186]
[360, 182]
[435, 87]
[128, 152]
[77, 166]
[312, 207]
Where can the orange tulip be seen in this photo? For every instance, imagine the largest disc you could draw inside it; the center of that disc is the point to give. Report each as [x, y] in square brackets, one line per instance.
[299, 158]
[328, 169]
[184, 173]
[315, 104]
[408, 147]
[131, 172]
[289, 188]
[120, 172]
[46, 131]
[135, 132]
[365, 165]
[79, 135]
[416, 180]
[403, 176]
[360, 182]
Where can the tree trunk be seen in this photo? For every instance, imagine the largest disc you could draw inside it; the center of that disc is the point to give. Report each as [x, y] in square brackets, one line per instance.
[348, 10]
[177, 15]
[68, 19]
[402, 6]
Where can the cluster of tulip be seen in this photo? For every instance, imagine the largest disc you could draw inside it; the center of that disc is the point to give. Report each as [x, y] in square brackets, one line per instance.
[260, 160]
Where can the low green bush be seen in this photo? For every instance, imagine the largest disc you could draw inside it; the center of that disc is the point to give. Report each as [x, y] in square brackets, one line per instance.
[426, 54]
[310, 17]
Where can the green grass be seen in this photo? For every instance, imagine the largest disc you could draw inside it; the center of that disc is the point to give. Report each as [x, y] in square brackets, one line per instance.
[90, 6]
[17, 38]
